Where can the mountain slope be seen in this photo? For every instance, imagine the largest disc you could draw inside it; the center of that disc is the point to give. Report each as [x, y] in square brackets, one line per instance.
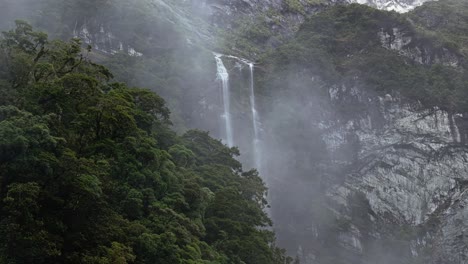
[92, 173]
[374, 117]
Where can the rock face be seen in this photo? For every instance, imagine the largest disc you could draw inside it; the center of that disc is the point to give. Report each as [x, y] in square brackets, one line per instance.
[400, 6]
[452, 238]
[422, 52]
[377, 178]
[103, 40]
[409, 168]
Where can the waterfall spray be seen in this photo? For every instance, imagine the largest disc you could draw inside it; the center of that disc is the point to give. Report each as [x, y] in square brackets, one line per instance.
[223, 76]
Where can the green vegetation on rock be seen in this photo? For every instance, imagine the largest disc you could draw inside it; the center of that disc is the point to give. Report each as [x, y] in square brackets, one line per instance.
[343, 45]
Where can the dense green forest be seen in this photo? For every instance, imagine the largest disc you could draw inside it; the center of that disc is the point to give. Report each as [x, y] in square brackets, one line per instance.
[90, 171]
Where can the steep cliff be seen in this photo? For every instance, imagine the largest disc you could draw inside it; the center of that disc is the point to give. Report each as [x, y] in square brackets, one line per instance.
[409, 169]
[364, 106]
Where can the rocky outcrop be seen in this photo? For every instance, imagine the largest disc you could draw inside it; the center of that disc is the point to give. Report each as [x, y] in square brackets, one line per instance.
[452, 237]
[400, 6]
[103, 40]
[410, 168]
[419, 50]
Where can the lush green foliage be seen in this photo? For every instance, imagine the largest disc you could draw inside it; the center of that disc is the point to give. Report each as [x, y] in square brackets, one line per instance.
[342, 45]
[90, 171]
[171, 67]
[294, 6]
[249, 37]
[446, 19]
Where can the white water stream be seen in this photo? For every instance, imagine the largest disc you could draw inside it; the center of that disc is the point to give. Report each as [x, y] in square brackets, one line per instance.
[255, 121]
[223, 76]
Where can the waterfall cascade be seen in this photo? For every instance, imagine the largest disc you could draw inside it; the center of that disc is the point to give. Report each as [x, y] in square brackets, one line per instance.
[255, 121]
[223, 76]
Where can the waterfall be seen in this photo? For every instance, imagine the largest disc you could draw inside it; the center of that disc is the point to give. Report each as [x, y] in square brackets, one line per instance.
[256, 139]
[223, 76]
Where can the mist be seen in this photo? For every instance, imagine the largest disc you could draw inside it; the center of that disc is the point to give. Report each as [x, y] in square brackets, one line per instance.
[331, 103]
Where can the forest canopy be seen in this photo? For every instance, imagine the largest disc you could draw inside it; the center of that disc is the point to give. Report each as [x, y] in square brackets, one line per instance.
[91, 172]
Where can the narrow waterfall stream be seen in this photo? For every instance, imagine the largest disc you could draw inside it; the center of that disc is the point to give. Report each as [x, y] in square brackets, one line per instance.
[223, 76]
[255, 121]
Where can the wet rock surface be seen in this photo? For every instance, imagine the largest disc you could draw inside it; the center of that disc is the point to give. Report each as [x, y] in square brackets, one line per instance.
[409, 170]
